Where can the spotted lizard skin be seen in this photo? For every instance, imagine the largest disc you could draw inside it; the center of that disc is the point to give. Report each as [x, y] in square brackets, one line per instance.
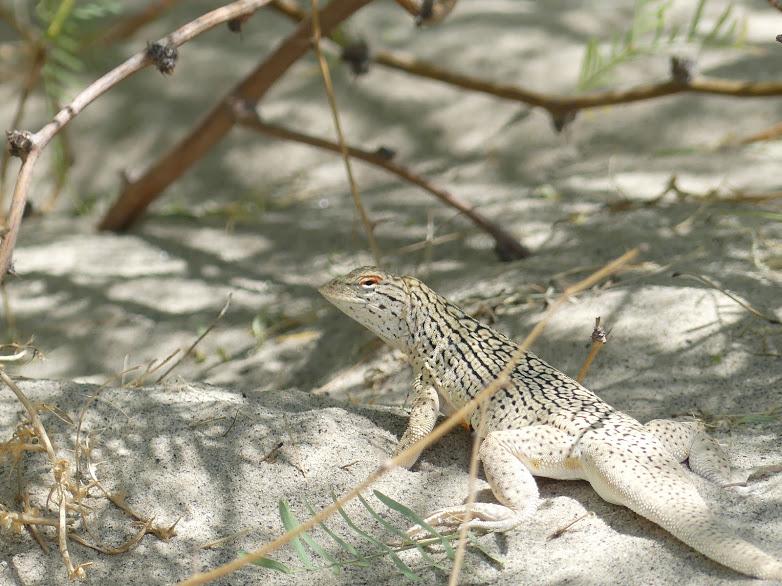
[542, 423]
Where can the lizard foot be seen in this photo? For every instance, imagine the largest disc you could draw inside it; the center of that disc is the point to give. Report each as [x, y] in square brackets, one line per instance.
[482, 516]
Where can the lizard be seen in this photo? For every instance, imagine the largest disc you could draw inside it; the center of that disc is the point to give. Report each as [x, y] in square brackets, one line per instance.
[542, 423]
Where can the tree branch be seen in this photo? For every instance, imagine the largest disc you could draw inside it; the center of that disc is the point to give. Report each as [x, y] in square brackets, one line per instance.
[139, 194]
[557, 105]
[507, 247]
[35, 143]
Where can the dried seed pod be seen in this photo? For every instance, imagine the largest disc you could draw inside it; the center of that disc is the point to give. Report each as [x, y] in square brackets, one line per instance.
[19, 142]
[163, 56]
[356, 55]
[682, 69]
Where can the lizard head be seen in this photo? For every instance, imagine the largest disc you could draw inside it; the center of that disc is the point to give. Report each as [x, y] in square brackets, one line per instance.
[377, 300]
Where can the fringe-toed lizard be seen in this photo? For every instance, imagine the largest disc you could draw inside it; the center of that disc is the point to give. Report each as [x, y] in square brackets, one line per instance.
[542, 423]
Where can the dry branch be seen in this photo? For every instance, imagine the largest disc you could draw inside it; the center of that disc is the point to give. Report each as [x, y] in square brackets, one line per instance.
[139, 194]
[38, 141]
[770, 133]
[506, 245]
[557, 105]
[369, 227]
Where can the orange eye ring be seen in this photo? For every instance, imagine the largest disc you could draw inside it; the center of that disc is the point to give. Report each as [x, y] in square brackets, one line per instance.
[369, 281]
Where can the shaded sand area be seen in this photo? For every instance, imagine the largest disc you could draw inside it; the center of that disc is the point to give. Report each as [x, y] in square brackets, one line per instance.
[267, 222]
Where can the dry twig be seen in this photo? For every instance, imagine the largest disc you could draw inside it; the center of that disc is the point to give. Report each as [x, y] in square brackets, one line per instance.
[197, 341]
[369, 227]
[507, 247]
[29, 146]
[599, 339]
[137, 195]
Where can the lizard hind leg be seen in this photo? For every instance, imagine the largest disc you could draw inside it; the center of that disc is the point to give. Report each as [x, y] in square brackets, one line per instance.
[509, 458]
[687, 440]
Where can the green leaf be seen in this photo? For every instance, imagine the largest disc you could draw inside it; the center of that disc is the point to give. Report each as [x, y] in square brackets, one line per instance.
[399, 532]
[713, 36]
[696, 19]
[290, 522]
[269, 564]
[416, 519]
[401, 566]
[337, 539]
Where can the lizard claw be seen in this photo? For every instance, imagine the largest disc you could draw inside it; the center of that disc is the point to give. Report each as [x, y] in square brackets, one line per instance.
[482, 516]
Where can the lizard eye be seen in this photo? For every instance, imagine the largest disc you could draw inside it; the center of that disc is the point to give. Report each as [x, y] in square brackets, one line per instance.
[369, 282]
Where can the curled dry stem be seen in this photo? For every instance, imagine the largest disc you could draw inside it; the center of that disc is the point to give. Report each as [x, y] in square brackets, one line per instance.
[452, 421]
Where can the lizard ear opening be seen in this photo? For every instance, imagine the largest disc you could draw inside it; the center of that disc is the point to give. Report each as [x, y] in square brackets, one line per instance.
[369, 281]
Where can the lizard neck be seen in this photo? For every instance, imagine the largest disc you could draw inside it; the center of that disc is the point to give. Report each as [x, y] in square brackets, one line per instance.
[455, 352]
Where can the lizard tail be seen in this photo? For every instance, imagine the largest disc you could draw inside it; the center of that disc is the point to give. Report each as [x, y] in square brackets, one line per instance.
[655, 487]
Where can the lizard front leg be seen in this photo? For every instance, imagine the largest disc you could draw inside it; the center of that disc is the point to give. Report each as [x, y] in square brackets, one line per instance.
[509, 458]
[423, 416]
[687, 440]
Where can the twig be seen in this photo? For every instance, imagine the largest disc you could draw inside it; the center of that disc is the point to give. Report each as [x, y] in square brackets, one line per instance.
[559, 104]
[744, 304]
[369, 228]
[139, 194]
[452, 421]
[561, 531]
[769, 133]
[32, 413]
[32, 145]
[507, 246]
[197, 340]
[461, 549]
[599, 339]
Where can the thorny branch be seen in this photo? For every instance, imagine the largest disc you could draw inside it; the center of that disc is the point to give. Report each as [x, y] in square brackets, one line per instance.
[507, 247]
[35, 143]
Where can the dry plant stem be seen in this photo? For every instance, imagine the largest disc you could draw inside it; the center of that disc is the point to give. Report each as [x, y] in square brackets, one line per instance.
[197, 341]
[452, 421]
[461, 548]
[138, 194]
[593, 352]
[59, 468]
[32, 413]
[744, 304]
[343, 149]
[504, 240]
[768, 134]
[139, 61]
[127, 26]
[599, 339]
[557, 104]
